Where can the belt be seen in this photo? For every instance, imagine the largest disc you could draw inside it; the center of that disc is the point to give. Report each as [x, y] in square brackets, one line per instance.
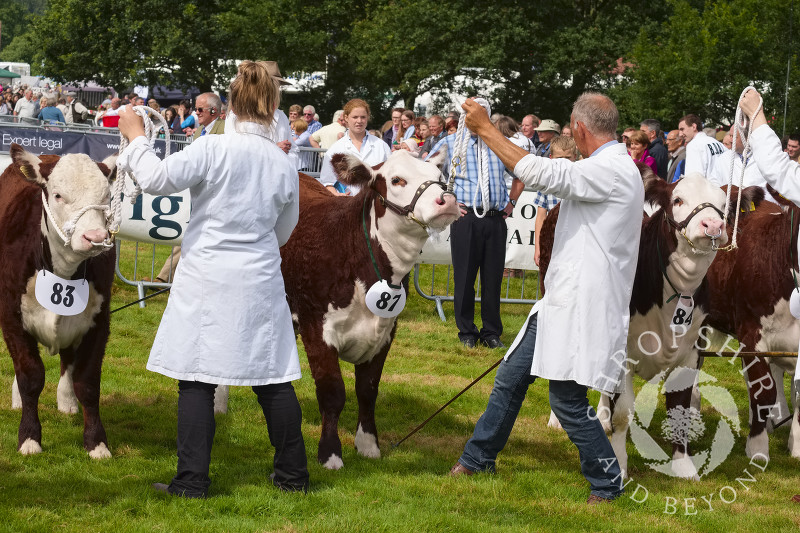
[489, 213]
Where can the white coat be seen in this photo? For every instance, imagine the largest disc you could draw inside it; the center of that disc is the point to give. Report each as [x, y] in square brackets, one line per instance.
[779, 171]
[702, 154]
[373, 152]
[720, 175]
[584, 316]
[227, 320]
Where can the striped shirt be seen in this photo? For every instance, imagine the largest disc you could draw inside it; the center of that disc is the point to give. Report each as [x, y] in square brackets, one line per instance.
[466, 188]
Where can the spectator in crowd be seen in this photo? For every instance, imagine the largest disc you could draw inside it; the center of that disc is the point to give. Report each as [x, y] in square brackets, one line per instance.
[295, 112]
[478, 243]
[309, 115]
[62, 105]
[423, 131]
[5, 105]
[327, 135]
[547, 130]
[356, 141]
[410, 145]
[391, 134]
[302, 139]
[562, 147]
[188, 120]
[638, 150]
[208, 111]
[656, 148]
[170, 114]
[626, 137]
[702, 151]
[153, 104]
[77, 113]
[451, 126]
[528, 128]
[566, 131]
[226, 337]
[437, 133]
[110, 118]
[454, 116]
[727, 141]
[25, 106]
[511, 130]
[49, 112]
[407, 129]
[793, 147]
[677, 156]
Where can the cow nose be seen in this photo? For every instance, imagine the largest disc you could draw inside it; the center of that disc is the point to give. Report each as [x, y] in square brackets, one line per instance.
[440, 201]
[712, 226]
[95, 235]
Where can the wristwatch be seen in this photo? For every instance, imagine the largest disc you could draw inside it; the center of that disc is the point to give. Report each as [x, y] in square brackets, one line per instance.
[513, 202]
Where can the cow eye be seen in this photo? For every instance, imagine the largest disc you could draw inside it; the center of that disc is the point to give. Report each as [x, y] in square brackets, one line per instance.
[398, 181]
[57, 196]
[677, 202]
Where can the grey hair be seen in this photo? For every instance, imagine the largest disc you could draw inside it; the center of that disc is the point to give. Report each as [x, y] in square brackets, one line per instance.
[51, 99]
[653, 125]
[598, 113]
[337, 115]
[212, 100]
[311, 107]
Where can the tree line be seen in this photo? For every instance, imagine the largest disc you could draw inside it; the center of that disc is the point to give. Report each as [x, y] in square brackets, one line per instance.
[655, 59]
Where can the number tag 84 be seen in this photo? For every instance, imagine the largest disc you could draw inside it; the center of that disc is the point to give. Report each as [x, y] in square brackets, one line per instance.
[682, 317]
[384, 301]
[65, 297]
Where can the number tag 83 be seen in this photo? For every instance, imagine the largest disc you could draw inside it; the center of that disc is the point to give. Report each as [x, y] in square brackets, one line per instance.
[384, 301]
[65, 297]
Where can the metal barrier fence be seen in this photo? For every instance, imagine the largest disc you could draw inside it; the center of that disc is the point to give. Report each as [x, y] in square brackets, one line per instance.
[311, 160]
[524, 283]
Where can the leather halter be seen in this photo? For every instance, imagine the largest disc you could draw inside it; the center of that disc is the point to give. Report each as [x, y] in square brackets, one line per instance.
[681, 226]
[408, 210]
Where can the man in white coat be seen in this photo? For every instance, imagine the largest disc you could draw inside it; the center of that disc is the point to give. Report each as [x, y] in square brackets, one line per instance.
[702, 151]
[575, 336]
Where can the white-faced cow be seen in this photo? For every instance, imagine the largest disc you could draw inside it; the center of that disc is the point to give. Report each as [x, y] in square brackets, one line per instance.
[750, 291]
[76, 190]
[675, 252]
[328, 268]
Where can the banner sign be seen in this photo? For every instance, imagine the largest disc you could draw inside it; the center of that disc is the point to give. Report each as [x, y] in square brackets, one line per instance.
[520, 242]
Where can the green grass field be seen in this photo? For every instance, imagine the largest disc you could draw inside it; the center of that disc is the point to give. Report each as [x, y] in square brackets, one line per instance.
[538, 486]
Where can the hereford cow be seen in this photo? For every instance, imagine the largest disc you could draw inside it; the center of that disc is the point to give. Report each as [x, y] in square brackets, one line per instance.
[750, 290]
[77, 192]
[674, 254]
[328, 268]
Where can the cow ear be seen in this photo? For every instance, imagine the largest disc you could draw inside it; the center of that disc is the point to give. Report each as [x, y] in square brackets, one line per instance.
[28, 164]
[350, 170]
[657, 191]
[438, 159]
[778, 197]
[109, 167]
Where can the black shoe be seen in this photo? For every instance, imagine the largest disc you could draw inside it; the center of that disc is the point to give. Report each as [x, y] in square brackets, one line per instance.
[493, 343]
[163, 488]
[469, 342]
[288, 487]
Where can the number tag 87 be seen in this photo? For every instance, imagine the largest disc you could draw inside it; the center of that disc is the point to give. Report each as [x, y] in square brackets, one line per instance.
[65, 297]
[385, 301]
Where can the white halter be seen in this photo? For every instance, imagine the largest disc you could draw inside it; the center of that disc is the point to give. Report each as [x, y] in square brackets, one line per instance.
[69, 226]
[459, 160]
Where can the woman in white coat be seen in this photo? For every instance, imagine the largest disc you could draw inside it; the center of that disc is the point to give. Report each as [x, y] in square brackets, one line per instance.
[227, 320]
[356, 141]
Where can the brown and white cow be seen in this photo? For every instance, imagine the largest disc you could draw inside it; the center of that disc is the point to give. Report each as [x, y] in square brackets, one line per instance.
[29, 243]
[675, 252]
[750, 289]
[327, 270]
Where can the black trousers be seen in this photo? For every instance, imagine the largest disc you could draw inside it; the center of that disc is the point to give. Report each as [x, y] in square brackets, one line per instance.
[196, 428]
[478, 244]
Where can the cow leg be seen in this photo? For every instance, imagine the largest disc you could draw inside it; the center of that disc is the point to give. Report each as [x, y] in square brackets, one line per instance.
[680, 385]
[88, 360]
[553, 422]
[29, 381]
[67, 401]
[619, 412]
[762, 392]
[794, 432]
[368, 377]
[781, 405]
[16, 400]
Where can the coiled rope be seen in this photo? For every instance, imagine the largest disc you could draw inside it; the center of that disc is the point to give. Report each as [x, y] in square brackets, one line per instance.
[458, 164]
[151, 132]
[742, 128]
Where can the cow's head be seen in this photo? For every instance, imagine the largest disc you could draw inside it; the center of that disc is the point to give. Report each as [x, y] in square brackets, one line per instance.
[404, 185]
[693, 207]
[77, 194]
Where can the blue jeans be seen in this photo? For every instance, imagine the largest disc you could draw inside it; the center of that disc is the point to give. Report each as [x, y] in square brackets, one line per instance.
[570, 405]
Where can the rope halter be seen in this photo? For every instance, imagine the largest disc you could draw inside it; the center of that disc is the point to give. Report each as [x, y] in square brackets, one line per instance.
[742, 128]
[68, 230]
[151, 132]
[459, 161]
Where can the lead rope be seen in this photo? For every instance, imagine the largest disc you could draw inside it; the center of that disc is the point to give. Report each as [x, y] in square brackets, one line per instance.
[151, 132]
[742, 128]
[459, 161]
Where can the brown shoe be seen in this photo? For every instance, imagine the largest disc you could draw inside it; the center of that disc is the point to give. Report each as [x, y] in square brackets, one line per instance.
[597, 500]
[460, 470]
[796, 498]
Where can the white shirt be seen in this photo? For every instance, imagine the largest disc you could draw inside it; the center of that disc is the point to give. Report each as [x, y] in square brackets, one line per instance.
[227, 320]
[373, 152]
[327, 135]
[24, 107]
[720, 176]
[584, 315]
[702, 152]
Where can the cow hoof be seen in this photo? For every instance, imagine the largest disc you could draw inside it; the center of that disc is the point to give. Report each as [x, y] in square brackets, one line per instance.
[334, 462]
[16, 399]
[758, 445]
[367, 444]
[30, 447]
[553, 423]
[684, 468]
[100, 451]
